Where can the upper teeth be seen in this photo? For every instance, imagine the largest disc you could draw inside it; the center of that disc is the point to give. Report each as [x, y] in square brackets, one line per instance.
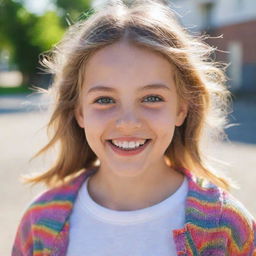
[128, 144]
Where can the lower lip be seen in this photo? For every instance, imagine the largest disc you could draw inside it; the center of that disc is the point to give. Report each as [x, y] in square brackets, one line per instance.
[122, 152]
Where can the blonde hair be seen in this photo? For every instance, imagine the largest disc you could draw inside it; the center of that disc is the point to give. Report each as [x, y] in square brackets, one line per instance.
[199, 81]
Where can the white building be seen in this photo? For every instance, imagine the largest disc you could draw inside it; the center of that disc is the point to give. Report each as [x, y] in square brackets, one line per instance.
[236, 21]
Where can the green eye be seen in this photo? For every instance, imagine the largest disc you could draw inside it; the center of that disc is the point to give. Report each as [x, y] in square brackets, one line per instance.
[103, 100]
[153, 98]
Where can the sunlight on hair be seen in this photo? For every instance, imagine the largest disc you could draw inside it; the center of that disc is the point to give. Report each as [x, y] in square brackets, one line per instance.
[153, 24]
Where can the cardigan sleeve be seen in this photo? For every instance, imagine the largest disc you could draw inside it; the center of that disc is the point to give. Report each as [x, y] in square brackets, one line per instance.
[43, 228]
[239, 226]
[23, 243]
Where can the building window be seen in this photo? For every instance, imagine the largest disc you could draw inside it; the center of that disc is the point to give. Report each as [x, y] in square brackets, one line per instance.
[240, 4]
[206, 9]
[236, 62]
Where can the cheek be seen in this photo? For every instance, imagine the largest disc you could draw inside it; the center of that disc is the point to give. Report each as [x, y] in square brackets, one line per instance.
[161, 118]
[95, 124]
[94, 117]
[162, 124]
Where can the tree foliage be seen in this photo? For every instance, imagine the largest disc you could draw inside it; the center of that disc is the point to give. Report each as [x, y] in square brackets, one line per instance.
[73, 9]
[46, 31]
[16, 25]
[25, 35]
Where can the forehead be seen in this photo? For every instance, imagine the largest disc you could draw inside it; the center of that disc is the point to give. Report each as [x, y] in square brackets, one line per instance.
[125, 64]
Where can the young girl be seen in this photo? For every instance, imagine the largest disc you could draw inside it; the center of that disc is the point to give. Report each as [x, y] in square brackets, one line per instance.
[134, 94]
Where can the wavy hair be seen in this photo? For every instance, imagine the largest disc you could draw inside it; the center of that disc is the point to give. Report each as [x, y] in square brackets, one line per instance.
[199, 80]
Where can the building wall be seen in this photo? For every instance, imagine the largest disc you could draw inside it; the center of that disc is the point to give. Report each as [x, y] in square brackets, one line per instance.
[234, 11]
[221, 12]
[240, 42]
[235, 21]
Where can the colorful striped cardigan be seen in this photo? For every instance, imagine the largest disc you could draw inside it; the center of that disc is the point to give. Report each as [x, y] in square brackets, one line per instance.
[215, 223]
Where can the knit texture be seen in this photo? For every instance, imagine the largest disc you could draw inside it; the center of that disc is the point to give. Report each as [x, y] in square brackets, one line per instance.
[215, 222]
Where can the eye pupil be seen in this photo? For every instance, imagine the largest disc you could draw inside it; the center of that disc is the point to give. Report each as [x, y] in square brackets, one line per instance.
[153, 98]
[103, 100]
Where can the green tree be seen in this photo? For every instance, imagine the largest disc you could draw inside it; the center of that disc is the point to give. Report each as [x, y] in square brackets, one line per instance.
[46, 31]
[26, 35]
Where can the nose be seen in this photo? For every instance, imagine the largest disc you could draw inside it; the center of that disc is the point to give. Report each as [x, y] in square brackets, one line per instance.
[128, 120]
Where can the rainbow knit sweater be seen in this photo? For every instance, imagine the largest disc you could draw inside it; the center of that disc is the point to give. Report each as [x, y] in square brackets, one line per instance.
[215, 223]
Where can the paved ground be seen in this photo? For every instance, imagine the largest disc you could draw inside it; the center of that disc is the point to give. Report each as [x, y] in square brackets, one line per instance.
[22, 134]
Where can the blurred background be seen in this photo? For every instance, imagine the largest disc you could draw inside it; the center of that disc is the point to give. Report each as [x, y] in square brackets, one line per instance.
[28, 28]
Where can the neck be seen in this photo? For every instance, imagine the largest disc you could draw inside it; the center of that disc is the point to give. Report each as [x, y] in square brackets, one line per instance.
[133, 193]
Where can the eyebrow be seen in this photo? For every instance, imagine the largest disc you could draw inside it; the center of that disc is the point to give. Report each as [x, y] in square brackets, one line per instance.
[146, 87]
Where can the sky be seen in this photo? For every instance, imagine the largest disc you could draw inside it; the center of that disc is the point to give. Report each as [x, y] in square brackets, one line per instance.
[38, 6]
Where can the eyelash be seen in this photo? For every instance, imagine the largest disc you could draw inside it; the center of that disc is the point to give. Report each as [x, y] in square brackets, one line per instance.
[156, 96]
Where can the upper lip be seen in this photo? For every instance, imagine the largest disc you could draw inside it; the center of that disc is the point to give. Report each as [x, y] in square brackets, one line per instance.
[129, 138]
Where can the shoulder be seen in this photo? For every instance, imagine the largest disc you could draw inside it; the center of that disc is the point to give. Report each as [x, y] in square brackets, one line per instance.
[55, 200]
[58, 199]
[239, 223]
[46, 216]
[225, 216]
[205, 192]
[228, 206]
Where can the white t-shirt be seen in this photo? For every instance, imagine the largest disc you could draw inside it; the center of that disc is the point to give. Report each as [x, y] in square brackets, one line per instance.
[99, 231]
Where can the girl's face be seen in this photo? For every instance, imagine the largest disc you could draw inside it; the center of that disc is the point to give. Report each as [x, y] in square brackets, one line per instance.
[129, 91]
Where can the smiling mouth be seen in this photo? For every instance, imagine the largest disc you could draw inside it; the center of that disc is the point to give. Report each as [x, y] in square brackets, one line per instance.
[129, 149]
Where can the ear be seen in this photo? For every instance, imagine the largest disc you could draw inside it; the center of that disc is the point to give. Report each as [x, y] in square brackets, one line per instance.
[79, 116]
[181, 113]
